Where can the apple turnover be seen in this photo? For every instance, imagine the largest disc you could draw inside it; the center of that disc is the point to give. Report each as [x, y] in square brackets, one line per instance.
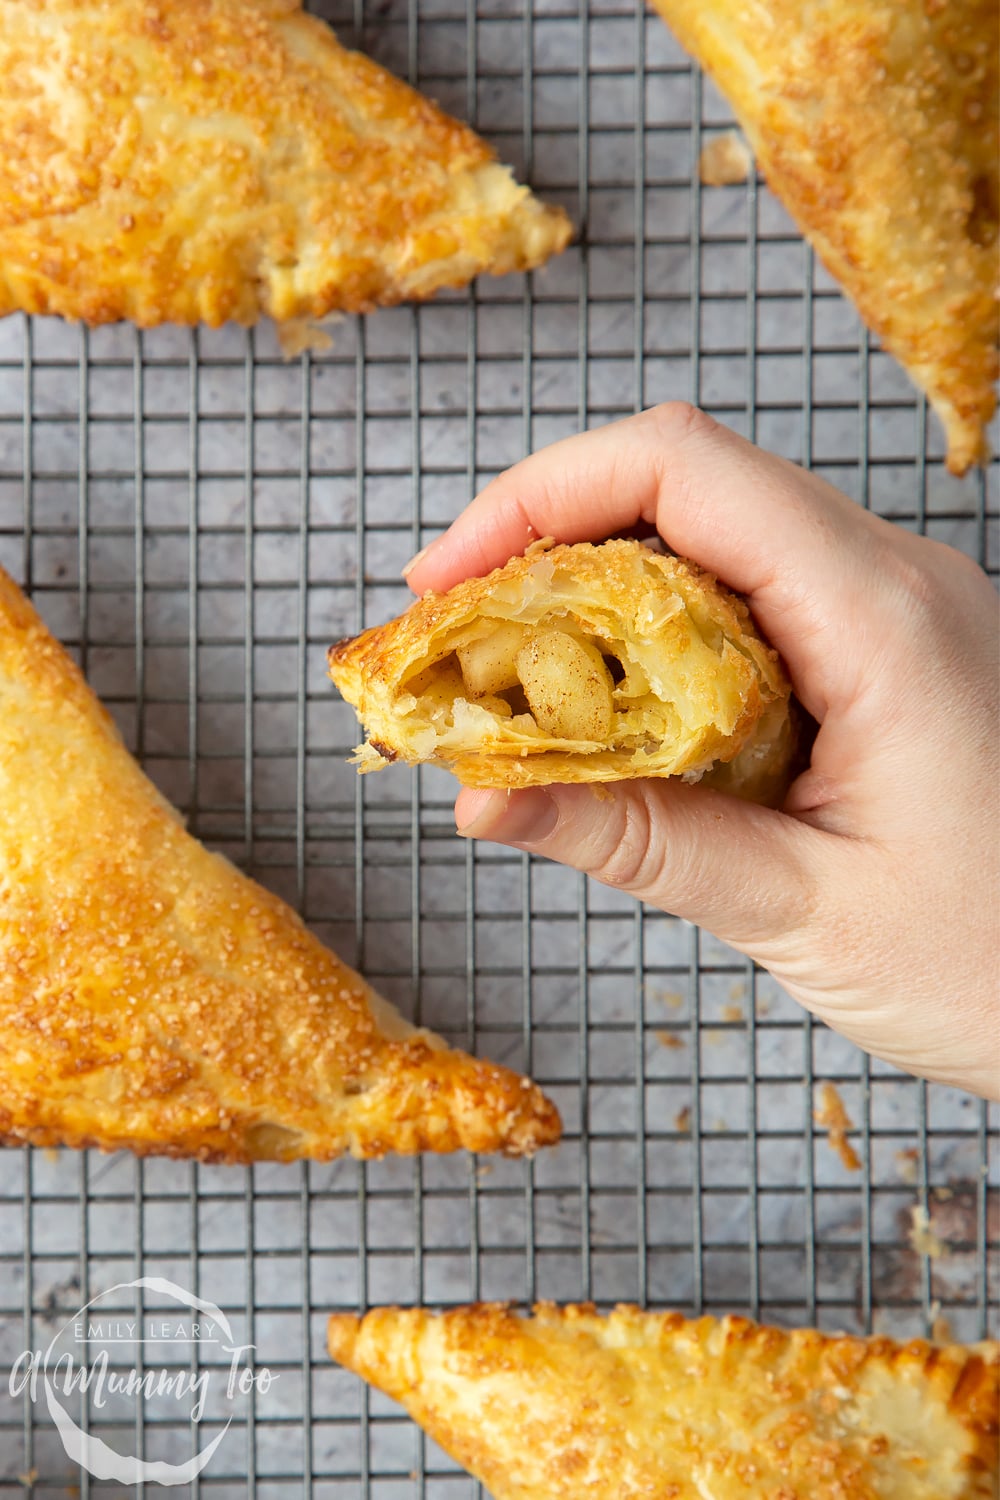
[575, 663]
[651, 1406]
[152, 997]
[214, 160]
[875, 123]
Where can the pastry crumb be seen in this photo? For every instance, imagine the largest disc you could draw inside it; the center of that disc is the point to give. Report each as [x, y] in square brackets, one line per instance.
[297, 335]
[540, 544]
[682, 1120]
[732, 1013]
[834, 1119]
[669, 1039]
[922, 1236]
[367, 758]
[724, 160]
[941, 1329]
[906, 1163]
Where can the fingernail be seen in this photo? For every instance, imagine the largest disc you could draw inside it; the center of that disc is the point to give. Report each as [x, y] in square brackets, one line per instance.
[521, 817]
[416, 558]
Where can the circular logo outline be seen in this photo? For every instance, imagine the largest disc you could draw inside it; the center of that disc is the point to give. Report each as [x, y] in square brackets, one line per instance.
[90, 1451]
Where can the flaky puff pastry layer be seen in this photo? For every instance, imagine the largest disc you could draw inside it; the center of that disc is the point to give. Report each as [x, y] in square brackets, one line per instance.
[154, 998]
[566, 1404]
[689, 687]
[207, 160]
[875, 123]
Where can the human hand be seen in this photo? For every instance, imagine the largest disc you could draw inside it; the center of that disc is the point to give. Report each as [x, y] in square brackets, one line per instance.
[870, 896]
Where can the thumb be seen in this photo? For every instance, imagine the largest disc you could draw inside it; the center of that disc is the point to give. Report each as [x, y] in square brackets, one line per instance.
[747, 873]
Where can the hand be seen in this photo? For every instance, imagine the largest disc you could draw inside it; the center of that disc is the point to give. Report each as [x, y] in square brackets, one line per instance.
[871, 895]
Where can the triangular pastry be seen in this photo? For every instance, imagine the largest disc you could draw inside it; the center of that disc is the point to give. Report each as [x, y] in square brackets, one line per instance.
[207, 160]
[154, 998]
[577, 663]
[876, 124]
[569, 1405]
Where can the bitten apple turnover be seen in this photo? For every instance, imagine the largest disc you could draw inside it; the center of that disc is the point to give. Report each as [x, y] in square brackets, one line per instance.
[576, 663]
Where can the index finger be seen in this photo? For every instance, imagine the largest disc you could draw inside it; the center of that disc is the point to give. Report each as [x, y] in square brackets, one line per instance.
[805, 555]
[713, 497]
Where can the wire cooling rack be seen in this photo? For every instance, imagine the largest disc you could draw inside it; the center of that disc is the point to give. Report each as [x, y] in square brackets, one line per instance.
[197, 518]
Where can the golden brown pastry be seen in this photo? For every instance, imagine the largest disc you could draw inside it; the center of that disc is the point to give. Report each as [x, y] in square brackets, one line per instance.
[579, 663]
[875, 123]
[204, 160]
[154, 998]
[649, 1406]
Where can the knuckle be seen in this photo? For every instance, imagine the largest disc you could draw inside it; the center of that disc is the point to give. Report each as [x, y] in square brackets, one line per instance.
[915, 581]
[930, 575]
[632, 858]
[956, 568]
[677, 422]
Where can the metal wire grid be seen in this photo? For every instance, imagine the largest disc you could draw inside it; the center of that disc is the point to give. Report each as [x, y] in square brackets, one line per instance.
[199, 518]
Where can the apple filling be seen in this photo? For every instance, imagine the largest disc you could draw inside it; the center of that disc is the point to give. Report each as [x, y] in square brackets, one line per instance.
[550, 681]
